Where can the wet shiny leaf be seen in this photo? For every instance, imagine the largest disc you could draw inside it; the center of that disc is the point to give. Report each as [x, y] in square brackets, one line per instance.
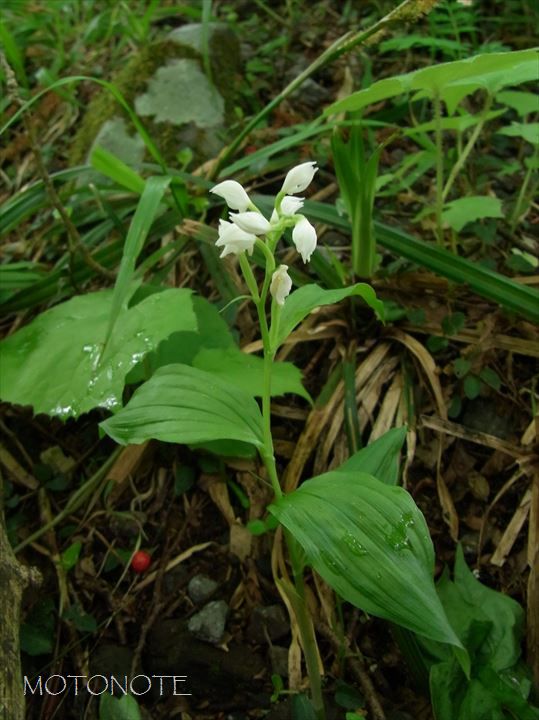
[370, 542]
[57, 363]
[182, 404]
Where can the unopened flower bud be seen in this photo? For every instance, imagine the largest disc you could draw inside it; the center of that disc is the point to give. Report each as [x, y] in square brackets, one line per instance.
[233, 194]
[290, 205]
[299, 178]
[281, 284]
[304, 238]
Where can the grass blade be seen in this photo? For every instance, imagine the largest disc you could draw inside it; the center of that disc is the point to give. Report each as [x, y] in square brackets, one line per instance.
[512, 296]
[138, 230]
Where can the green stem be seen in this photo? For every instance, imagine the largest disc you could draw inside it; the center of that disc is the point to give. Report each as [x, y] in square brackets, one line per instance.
[523, 188]
[269, 334]
[439, 168]
[268, 454]
[249, 277]
[457, 167]
[306, 629]
[267, 451]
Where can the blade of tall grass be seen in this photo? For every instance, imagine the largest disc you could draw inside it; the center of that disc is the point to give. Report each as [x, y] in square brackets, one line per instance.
[138, 231]
[519, 299]
[179, 193]
[112, 167]
[34, 198]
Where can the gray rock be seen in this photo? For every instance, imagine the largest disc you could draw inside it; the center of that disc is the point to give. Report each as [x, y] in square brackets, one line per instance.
[176, 579]
[486, 415]
[268, 622]
[279, 660]
[115, 137]
[201, 588]
[183, 86]
[209, 623]
[180, 93]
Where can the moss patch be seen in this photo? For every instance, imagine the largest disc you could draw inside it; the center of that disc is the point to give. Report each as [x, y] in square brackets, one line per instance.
[134, 80]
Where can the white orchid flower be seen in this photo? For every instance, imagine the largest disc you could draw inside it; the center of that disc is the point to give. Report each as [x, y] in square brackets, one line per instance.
[233, 194]
[290, 205]
[251, 222]
[233, 239]
[299, 178]
[304, 238]
[281, 284]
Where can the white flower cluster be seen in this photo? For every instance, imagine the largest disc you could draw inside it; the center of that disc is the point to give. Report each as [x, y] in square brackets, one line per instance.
[248, 224]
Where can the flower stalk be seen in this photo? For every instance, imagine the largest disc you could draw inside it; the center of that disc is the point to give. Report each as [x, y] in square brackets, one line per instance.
[238, 236]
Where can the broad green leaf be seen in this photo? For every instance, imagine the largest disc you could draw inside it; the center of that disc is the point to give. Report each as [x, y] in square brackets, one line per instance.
[460, 212]
[182, 404]
[527, 131]
[452, 81]
[370, 542]
[379, 459]
[356, 175]
[409, 41]
[227, 448]
[511, 689]
[57, 363]
[301, 302]
[505, 69]
[451, 696]
[525, 103]
[122, 708]
[487, 696]
[247, 371]
[502, 646]
[472, 386]
[457, 122]
[182, 347]
[474, 609]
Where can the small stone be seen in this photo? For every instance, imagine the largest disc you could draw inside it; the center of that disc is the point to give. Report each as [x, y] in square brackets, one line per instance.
[486, 415]
[180, 93]
[115, 137]
[201, 588]
[279, 660]
[209, 623]
[176, 579]
[268, 622]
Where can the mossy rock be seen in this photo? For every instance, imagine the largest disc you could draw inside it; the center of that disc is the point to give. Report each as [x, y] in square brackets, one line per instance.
[180, 103]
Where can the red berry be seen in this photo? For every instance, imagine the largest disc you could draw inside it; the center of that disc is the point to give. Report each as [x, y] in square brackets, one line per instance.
[140, 561]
